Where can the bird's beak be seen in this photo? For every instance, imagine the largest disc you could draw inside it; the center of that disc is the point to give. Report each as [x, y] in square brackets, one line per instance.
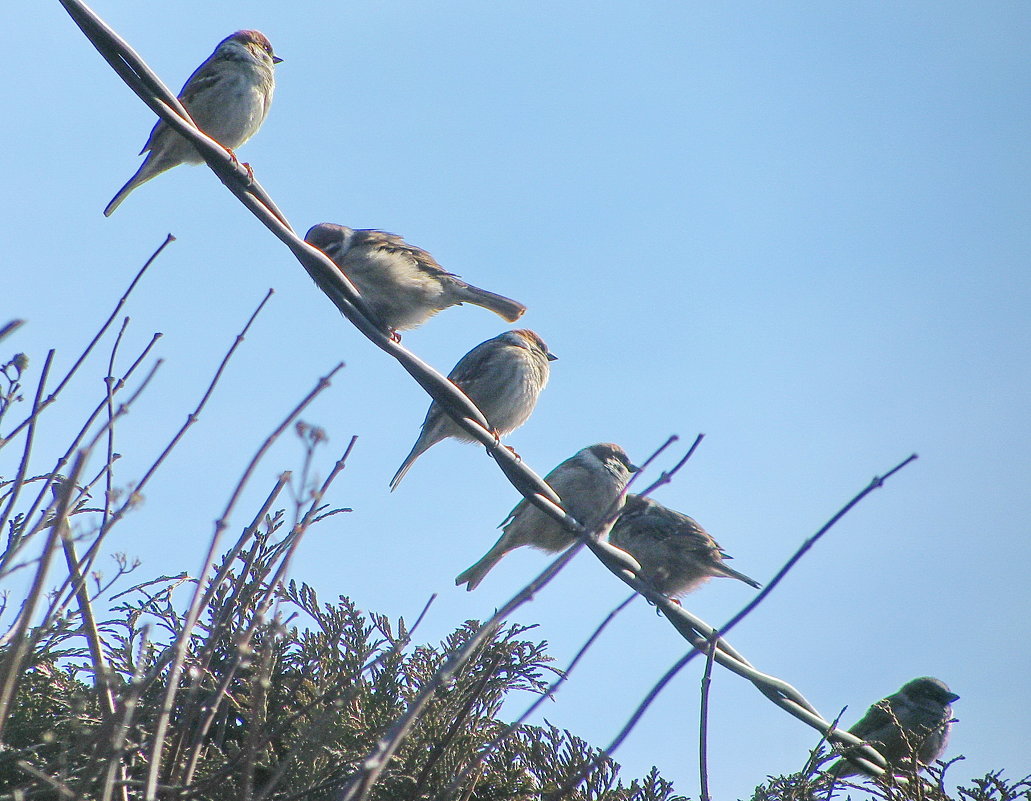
[633, 468]
[277, 60]
[953, 697]
[551, 356]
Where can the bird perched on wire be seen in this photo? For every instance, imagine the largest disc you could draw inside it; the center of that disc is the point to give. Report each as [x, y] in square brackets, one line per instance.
[402, 284]
[589, 482]
[228, 96]
[913, 723]
[503, 376]
[675, 553]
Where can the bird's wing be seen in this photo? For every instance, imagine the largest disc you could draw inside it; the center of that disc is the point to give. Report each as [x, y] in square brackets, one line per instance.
[476, 363]
[396, 245]
[202, 79]
[877, 720]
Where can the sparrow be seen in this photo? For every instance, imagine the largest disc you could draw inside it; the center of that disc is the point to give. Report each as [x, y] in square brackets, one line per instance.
[676, 554]
[228, 97]
[588, 483]
[403, 284]
[503, 377]
[914, 722]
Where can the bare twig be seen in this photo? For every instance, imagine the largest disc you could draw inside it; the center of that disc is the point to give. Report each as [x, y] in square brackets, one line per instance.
[89, 348]
[91, 632]
[23, 466]
[195, 414]
[9, 328]
[703, 723]
[109, 464]
[112, 519]
[50, 522]
[564, 676]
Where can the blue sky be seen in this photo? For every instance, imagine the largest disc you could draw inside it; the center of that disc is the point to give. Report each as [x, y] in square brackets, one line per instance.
[800, 228]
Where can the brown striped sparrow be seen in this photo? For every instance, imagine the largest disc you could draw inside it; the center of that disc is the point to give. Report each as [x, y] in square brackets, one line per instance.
[675, 553]
[228, 97]
[403, 284]
[503, 376]
[912, 723]
[588, 483]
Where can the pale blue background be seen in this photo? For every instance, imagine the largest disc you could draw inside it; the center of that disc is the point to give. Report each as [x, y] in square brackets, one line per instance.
[802, 228]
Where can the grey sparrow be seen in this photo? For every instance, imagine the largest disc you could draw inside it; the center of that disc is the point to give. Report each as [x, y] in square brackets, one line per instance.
[675, 553]
[914, 722]
[588, 483]
[404, 285]
[228, 97]
[503, 376]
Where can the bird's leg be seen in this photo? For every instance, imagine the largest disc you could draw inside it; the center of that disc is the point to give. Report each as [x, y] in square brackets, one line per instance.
[497, 441]
[238, 163]
[676, 601]
[497, 444]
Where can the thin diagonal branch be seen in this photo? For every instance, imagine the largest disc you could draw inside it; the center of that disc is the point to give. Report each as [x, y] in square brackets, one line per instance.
[89, 348]
[195, 414]
[109, 463]
[23, 466]
[10, 327]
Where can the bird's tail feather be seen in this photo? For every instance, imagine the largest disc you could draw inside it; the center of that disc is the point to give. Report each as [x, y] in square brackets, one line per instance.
[123, 193]
[730, 572]
[417, 450]
[510, 310]
[150, 168]
[475, 574]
